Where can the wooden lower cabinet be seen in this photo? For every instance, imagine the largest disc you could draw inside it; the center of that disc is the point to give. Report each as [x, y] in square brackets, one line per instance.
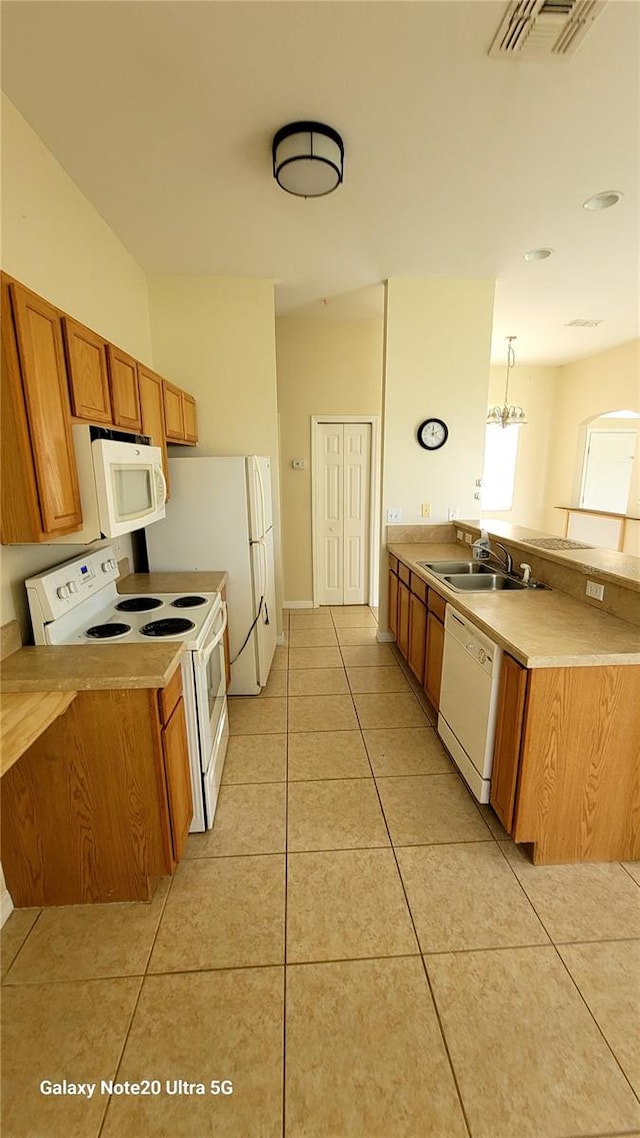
[417, 636]
[567, 761]
[393, 604]
[433, 662]
[402, 635]
[506, 750]
[100, 804]
[176, 766]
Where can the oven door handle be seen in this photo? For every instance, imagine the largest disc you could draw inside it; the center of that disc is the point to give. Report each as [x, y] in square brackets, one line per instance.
[203, 655]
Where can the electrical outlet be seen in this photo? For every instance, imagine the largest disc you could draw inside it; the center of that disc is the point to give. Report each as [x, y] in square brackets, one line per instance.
[393, 515]
[298, 463]
[452, 513]
[595, 590]
[468, 537]
[459, 534]
[426, 509]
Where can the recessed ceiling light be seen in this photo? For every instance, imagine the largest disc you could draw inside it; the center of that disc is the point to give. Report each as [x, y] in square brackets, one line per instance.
[537, 254]
[603, 201]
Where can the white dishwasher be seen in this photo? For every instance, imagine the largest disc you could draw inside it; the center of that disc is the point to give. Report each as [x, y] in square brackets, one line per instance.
[468, 696]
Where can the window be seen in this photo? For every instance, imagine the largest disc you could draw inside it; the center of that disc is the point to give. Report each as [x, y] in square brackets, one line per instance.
[499, 474]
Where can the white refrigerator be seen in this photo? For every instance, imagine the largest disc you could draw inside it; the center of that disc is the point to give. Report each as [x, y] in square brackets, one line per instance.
[219, 517]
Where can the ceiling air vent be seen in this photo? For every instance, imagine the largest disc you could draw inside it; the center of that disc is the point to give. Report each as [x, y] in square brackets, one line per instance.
[544, 29]
[583, 323]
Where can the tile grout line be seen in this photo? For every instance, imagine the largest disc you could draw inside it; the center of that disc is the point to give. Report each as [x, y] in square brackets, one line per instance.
[4, 978]
[422, 959]
[552, 944]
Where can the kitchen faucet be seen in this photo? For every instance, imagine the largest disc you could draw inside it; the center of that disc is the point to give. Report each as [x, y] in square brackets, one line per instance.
[507, 563]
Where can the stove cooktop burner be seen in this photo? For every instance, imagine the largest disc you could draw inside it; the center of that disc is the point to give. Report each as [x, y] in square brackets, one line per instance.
[108, 631]
[188, 602]
[139, 604]
[171, 626]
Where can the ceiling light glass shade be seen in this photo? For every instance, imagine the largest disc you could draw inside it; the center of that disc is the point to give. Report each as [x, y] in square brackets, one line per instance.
[308, 159]
[510, 414]
[603, 201]
[537, 254]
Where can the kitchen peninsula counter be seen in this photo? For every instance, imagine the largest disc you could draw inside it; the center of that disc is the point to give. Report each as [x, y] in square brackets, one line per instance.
[541, 628]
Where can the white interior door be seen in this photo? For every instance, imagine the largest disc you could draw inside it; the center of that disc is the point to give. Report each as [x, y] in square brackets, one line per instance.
[343, 489]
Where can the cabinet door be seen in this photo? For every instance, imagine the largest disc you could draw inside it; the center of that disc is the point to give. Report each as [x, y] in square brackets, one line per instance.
[46, 403]
[433, 665]
[88, 374]
[123, 384]
[152, 412]
[176, 765]
[173, 420]
[190, 418]
[403, 618]
[393, 604]
[417, 636]
[506, 751]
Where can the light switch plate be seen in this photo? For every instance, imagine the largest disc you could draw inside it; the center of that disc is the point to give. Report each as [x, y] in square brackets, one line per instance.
[393, 515]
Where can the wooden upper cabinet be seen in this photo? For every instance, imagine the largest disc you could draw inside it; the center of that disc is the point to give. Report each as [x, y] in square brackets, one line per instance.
[88, 373]
[152, 412]
[123, 384]
[40, 495]
[173, 414]
[190, 418]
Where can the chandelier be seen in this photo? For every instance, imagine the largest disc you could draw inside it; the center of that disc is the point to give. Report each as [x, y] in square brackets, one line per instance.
[509, 415]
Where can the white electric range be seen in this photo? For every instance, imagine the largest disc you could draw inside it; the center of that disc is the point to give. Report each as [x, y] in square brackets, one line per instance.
[77, 603]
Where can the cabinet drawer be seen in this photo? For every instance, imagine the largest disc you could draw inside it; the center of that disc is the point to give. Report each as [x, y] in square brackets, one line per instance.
[419, 588]
[169, 696]
[436, 604]
[404, 573]
[393, 563]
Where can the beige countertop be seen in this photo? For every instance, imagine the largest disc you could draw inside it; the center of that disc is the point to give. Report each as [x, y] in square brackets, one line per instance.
[83, 668]
[24, 716]
[211, 582]
[540, 628]
[619, 568]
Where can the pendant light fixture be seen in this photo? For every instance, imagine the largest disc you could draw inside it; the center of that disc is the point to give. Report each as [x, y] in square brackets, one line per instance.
[509, 415]
[308, 159]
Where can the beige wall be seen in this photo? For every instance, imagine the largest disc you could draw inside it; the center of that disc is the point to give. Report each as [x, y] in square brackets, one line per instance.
[54, 241]
[535, 389]
[437, 350]
[215, 336]
[326, 366]
[608, 381]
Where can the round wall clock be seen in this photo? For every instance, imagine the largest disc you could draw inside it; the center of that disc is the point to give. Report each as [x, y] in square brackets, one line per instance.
[432, 434]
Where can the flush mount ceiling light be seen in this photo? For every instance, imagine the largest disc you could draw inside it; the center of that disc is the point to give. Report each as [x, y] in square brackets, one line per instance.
[603, 201]
[537, 254]
[509, 415]
[308, 159]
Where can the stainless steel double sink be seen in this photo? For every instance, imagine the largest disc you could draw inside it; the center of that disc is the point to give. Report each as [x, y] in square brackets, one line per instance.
[472, 576]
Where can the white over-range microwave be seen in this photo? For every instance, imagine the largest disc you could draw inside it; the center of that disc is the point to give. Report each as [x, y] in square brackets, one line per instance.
[122, 484]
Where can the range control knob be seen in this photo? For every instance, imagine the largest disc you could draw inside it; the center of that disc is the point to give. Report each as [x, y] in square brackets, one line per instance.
[106, 566]
[113, 563]
[72, 586]
[63, 592]
[482, 656]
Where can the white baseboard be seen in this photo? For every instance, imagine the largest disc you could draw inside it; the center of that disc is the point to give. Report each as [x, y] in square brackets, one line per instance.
[6, 906]
[385, 637]
[297, 605]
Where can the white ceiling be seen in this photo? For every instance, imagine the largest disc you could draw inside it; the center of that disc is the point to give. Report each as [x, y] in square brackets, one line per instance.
[163, 114]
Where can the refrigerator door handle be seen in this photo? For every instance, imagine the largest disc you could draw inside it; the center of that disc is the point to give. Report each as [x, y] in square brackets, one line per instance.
[263, 506]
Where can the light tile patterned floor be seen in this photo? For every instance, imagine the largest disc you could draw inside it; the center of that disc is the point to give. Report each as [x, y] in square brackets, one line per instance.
[356, 945]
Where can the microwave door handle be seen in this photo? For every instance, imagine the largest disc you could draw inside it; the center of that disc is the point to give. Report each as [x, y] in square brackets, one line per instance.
[161, 480]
